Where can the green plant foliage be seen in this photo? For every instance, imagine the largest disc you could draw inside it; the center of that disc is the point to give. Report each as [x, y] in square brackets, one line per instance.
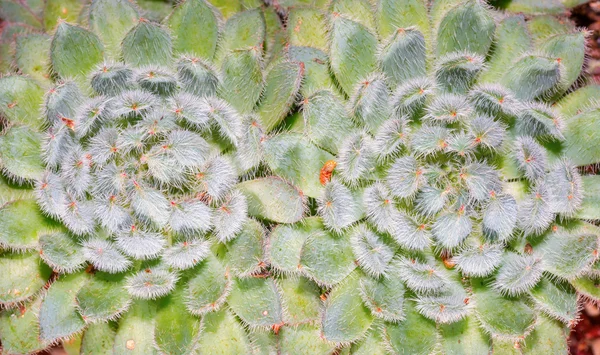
[294, 177]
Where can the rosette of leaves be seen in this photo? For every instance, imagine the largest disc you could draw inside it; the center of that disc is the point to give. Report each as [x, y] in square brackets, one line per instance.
[467, 218]
[125, 199]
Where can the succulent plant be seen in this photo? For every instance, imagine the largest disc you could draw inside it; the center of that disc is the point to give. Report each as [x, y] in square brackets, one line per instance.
[398, 179]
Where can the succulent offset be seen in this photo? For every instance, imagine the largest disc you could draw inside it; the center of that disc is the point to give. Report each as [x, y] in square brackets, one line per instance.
[386, 178]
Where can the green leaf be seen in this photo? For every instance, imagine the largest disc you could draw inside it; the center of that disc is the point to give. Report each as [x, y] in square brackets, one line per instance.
[241, 79]
[10, 191]
[58, 314]
[273, 199]
[566, 253]
[197, 77]
[545, 26]
[580, 133]
[286, 242]
[372, 344]
[352, 52]
[403, 56]
[176, 331]
[500, 316]
[281, 87]
[464, 337]
[20, 331]
[75, 51]
[111, 20]
[147, 44]
[242, 31]
[292, 157]
[345, 318]
[579, 100]
[303, 339]
[194, 25]
[104, 297]
[533, 77]
[61, 252]
[511, 40]
[28, 58]
[466, 27]
[392, 15]
[58, 11]
[307, 28]
[244, 254]
[590, 207]
[588, 286]
[135, 335]
[556, 299]
[20, 153]
[300, 297]
[209, 288]
[20, 100]
[98, 339]
[256, 301]
[416, 335]
[316, 69]
[570, 49]
[22, 224]
[23, 277]
[223, 335]
[327, 258]
[327, 123]
[384, 297]
[548, 337]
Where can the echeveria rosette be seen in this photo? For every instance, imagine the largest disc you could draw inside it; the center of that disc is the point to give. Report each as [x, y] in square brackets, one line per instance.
[458, 151]
[145, 163]
[389, 179]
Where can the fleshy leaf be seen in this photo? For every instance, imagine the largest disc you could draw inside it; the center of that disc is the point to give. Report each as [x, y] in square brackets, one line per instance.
[194, 25]
[74, 51]
[281, 86]
[300, 297]
[222, 334]
[20, 156]
[24, 276]
[22, 224]
[98, 339]
[135, 334]
[20, 329]
[273, 199]
[327, 258]
[286, 241]
[415, 335]
[61, 252]
[244, 254]
[176, 331]
[466, 27]
[345, 319]
[103, 297]
[256, 301]
[500, 316]
[291, 156]
[147, 44]
[20, 100]
[209, 287]
[58, 314]
[352, 51]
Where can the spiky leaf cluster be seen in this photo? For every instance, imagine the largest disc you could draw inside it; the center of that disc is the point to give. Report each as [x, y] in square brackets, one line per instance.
[385, 177]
